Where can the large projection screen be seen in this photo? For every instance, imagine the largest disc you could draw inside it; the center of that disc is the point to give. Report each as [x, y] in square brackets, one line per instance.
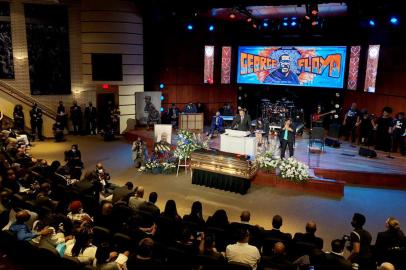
[311, 66]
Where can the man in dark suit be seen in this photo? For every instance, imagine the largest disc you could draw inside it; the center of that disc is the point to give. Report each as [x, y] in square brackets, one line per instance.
[276, 232]
[310, 236]
[76, 117]
[123, 193]
[90, 119]
[254, 230]
[36, 121]
[242, 121]
[335, 260]
[216, 124]
[173, 114]
[287, 137]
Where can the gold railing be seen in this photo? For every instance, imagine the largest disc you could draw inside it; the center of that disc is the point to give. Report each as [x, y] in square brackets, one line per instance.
[26, 99]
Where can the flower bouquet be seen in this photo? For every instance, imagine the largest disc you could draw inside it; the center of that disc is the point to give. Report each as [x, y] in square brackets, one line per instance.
[267, 162]
[293, 170]
[187, 143]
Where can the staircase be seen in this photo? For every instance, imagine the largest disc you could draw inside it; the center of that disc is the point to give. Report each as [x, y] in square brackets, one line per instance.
[10, 96]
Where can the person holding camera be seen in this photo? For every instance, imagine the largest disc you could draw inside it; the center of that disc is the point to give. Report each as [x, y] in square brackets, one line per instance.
[360, 244]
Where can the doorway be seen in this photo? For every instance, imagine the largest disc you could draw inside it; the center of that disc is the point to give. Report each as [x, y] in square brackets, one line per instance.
[103, 109]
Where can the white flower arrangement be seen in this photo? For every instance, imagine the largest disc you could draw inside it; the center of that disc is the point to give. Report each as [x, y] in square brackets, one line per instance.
[267, 161]
[153, 166]
[293, 169]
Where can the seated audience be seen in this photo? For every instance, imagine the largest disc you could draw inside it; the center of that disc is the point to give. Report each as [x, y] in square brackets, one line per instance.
[279, 259]
[207, 247]
[196, 216]
[276, 232]
[21, 229]
[77, 215]
[242, 252]
[309, 236]
[135, 201]
[81, 248]
[171, 212]
[386, 266]
[105, 217]
[335, 259]
[123, 193]
[149, 206]
[218, 220]
[144, 259]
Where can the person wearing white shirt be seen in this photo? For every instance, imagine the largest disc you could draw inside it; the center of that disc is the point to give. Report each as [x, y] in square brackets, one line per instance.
[242, 252]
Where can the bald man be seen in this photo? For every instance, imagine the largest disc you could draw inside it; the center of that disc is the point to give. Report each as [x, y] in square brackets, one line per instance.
[386, 266]
[278, 260]
[135, 201]
[309, 236]
[21, 229]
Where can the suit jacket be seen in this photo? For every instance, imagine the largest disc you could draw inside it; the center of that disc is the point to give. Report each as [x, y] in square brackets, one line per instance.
[309, 238]
[244, 125]
[90, 113]
[285, 237]
[172, 111]
[291, 134]
[337, 262]
[220, 122]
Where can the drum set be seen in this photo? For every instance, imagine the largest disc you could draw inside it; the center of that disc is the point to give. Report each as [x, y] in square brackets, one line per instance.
[276, 112]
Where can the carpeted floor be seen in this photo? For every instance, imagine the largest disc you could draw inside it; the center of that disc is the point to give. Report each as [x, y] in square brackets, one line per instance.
[332, 215]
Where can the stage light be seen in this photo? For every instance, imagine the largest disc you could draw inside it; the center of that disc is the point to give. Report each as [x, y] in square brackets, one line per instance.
[232, 16]
[265, 24]
[371, 22]
[394, 20]
[161, 85]
[162, 109]
[285, 24]
[293, 23]
[285, 19]
[190, 27]
[211, 28]
[249, 19]
[293, 18]
[162, 98]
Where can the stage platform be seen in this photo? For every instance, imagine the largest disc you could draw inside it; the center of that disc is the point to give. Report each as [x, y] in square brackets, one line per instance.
[341, 164]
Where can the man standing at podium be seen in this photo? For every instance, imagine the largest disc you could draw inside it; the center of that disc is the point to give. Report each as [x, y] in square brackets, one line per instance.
[242, 121]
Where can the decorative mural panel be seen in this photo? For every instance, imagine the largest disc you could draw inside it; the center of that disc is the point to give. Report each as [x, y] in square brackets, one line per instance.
[353, 68]
[225, 65]
[372, 68]
[208, 64]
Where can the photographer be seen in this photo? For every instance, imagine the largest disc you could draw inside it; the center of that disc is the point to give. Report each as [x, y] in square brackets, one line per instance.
[360, 239]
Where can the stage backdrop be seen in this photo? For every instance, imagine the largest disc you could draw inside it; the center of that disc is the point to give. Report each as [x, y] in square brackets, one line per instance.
[316, 66]
[141, 114]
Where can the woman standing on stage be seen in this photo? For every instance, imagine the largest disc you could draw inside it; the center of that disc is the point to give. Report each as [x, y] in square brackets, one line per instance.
[287, 137]
[383, 127]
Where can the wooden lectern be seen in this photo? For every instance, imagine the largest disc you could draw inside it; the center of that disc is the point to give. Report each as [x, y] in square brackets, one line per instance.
[191, 121]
